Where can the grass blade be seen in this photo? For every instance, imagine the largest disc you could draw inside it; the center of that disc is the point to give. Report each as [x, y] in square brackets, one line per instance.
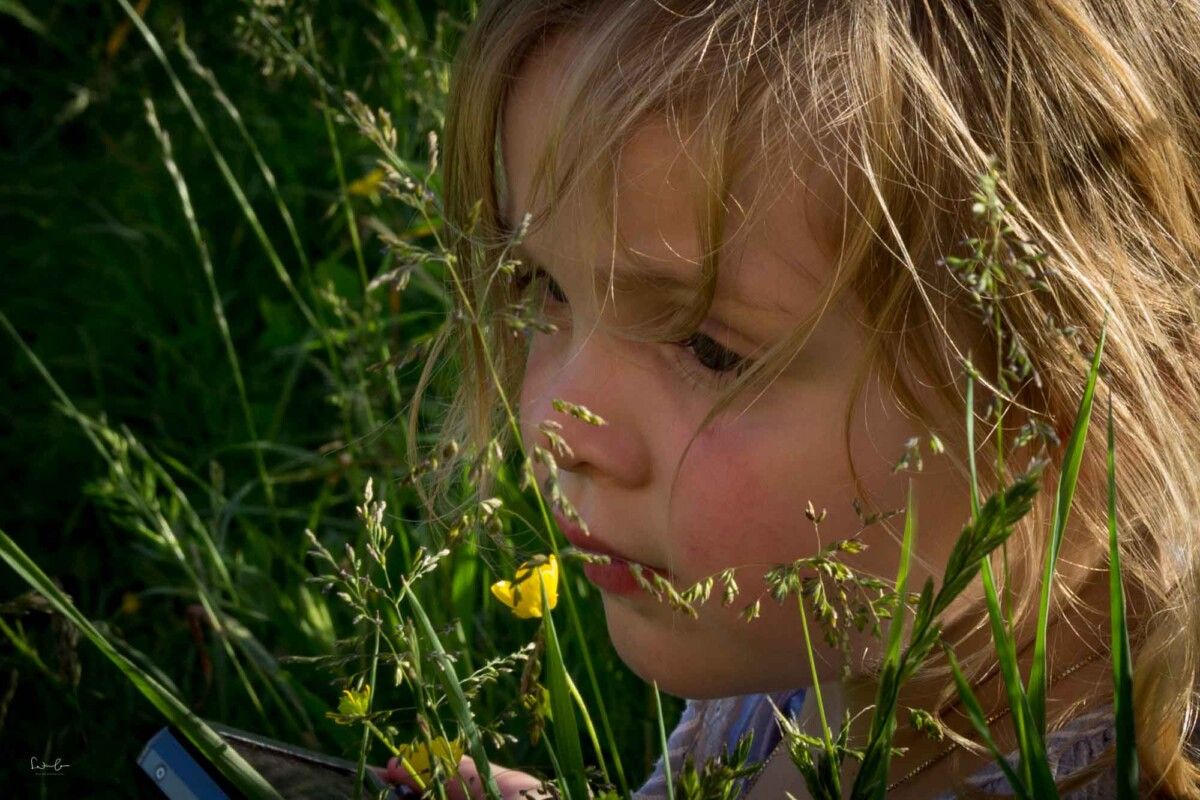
[218, 306]
[662, 739]
[589, 726]
[206, 740]
[14, 9]
[339, 170]
[1127, 760]
[1006, 657]
[975, 711]
[222, 165]
[454, 694]
[1062, 509]
[566, 730]
[896, 626]
[1004, 510]
[971, 443]
[871, 780]
[210, 78]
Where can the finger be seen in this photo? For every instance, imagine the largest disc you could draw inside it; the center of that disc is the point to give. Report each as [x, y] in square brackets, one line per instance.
[513, 784]
[467, 785]
[395, 773]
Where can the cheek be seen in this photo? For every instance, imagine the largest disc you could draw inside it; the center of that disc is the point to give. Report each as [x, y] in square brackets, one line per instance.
[741, 493]
[533, 400]
[739, 499]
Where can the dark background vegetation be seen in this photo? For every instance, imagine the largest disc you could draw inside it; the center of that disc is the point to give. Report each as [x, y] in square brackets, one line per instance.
[102, 279]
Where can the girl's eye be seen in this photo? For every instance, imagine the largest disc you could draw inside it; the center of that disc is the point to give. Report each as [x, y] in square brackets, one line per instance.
[537, 275]
[713, 356]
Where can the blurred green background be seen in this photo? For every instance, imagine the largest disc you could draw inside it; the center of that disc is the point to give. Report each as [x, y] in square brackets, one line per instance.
[103, 280]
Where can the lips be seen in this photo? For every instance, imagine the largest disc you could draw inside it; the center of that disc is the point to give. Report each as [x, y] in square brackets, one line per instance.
[591, 544]
[614, 578]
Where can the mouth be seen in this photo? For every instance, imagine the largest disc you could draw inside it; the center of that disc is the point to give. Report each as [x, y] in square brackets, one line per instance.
[615, 577]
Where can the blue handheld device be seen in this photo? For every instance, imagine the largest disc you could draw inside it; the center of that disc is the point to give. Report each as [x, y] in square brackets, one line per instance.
[180, 773]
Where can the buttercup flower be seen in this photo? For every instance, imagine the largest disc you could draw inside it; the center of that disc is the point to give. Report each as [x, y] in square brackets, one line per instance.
[523, 594]
[420, 757]
[367, 185]
[355, 703]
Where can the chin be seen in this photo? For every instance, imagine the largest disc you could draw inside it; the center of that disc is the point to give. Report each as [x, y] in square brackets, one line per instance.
[661, 646]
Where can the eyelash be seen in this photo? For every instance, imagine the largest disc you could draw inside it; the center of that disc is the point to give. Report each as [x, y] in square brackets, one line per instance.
[727, 361]
[702, 346]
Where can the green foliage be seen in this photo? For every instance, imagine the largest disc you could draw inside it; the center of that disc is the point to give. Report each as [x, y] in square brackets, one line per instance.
[1033, 777]
[206, 740]
[996, 259]
[566, 730]
[1122, 660]
[221, 378]
[720, 778]
[233, 327]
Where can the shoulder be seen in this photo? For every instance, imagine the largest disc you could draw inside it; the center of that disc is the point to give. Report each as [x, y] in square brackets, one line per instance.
[718, 720]
[709, 727]
[1070, 748]
[684, 739]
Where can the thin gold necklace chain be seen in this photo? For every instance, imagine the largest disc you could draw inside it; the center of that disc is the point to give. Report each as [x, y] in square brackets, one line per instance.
[955, 745]
[933, 760]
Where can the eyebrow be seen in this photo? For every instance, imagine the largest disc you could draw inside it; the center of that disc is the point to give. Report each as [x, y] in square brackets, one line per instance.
[742, 316]
[642, 275]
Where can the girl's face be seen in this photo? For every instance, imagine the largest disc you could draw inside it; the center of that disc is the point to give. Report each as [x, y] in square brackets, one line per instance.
[739, 495]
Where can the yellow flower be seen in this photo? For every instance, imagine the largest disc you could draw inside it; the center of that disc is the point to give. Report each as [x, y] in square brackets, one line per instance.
[367, 185]
[420, 757]
[130, 603]
[355, 703]
[523, 594]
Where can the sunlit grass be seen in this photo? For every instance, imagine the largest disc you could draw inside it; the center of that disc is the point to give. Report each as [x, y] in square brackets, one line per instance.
[321, 350]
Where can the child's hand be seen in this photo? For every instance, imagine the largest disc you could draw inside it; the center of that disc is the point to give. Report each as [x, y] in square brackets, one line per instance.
[513, 785]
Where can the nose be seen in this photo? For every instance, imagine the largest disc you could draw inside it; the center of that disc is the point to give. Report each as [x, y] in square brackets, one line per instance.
[598, 373]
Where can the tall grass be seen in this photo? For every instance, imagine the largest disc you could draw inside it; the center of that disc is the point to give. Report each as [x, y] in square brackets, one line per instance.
[305, 314]
[233, 371]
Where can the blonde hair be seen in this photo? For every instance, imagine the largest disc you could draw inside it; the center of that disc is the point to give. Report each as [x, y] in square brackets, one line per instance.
[1091, 107]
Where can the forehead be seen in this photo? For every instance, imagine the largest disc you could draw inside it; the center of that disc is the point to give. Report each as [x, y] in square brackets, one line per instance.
[780, 221]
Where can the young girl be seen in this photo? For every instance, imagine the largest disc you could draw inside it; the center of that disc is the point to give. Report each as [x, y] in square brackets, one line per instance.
[734, 217]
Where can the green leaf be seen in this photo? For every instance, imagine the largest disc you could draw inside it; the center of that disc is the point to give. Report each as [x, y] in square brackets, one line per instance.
[662, 737]
[871, 781]
[925, 603]
[14, 9]
[1127, 760]
[991, 525]
[980, 722]
[566, 729]
[988, 529]
[1030, 740]
[971, 443]
[454, 693]
[1062, 509]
